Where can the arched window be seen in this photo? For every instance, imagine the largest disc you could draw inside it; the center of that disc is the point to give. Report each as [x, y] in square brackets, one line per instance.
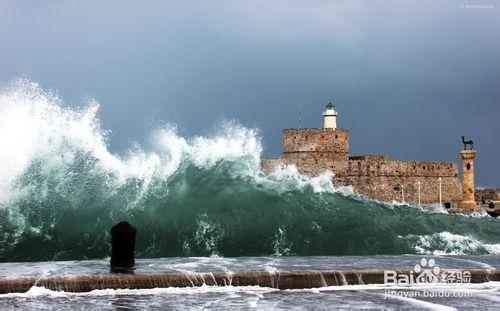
[468, 166]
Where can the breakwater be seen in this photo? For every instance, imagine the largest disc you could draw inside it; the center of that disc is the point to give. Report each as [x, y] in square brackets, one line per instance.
[279, 280]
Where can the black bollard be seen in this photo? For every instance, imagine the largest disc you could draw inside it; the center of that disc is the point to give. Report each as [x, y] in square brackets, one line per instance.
[122, 247]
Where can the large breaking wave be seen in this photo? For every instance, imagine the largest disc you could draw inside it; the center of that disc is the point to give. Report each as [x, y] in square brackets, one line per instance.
[61, 190]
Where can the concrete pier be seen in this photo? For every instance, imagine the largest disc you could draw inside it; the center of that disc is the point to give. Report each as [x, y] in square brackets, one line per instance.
[279, 280]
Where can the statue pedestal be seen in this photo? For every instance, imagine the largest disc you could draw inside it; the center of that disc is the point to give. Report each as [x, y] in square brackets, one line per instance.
[469, 205]
[468, 200]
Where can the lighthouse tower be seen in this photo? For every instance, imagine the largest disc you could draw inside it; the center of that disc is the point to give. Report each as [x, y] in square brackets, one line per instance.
[330, 117]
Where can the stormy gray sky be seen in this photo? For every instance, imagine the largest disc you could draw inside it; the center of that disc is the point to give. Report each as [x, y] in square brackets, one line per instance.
[408, 77]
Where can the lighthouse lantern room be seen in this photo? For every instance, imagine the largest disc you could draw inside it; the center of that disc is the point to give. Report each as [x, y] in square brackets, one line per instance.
[330, 117]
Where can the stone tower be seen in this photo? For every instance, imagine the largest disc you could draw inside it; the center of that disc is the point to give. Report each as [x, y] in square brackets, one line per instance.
[468, 200]
[318, 145]
[330, 117]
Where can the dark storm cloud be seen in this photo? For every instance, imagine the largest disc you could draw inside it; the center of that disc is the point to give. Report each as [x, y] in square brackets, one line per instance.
[408, 78]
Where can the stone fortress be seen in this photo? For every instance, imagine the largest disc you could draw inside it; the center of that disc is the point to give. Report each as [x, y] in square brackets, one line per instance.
[314, 150]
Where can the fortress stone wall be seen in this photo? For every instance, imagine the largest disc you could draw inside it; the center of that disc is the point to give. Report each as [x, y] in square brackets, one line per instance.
[319, 143]
[316, 150]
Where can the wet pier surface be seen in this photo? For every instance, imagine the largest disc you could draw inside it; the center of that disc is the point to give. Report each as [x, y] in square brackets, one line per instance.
[264, 282]
[242, 264]
[273, 272]
[279, 280]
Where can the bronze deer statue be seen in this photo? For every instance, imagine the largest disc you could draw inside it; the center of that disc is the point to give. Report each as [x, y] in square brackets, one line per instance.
[467, 142]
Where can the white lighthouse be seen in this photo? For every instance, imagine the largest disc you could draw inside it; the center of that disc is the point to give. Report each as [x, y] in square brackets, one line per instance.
[330, 117]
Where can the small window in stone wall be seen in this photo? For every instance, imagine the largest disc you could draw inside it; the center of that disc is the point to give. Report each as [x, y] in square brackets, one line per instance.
[336, 136]
[468, 166]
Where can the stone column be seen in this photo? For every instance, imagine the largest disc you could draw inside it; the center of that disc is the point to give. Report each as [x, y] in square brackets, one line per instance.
[468, 200]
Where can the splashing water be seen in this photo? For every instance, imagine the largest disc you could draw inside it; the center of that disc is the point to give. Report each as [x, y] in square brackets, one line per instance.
[452, 244]
[61, 190]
